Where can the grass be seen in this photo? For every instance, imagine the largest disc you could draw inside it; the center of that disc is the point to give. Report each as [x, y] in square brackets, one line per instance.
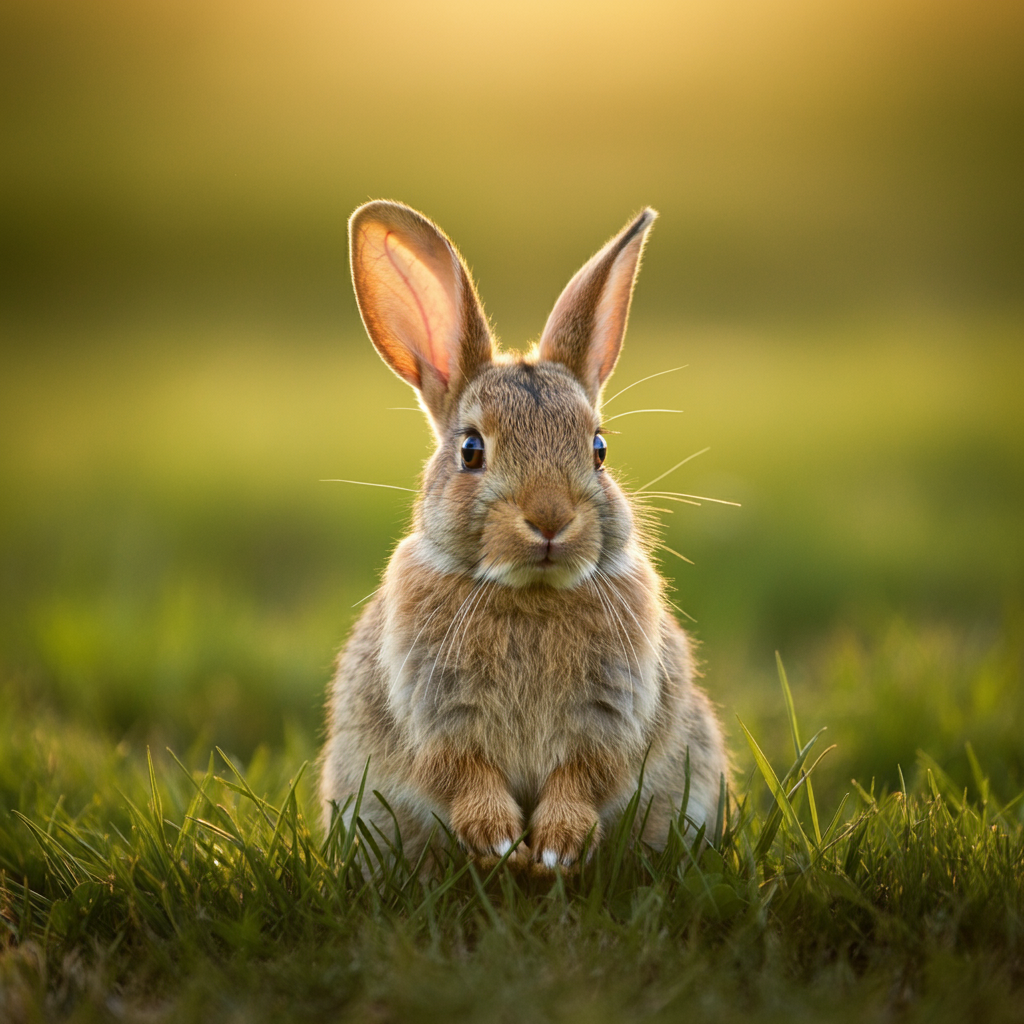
[137, 892]
[181, 363]
[172, 575]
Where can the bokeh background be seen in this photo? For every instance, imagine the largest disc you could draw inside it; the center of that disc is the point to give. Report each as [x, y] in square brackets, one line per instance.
[839, 263]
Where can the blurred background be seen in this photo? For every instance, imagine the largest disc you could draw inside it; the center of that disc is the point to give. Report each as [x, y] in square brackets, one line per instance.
[839, 264]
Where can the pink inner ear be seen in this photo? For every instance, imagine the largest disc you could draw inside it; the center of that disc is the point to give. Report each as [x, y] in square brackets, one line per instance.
[610, 315]
[429, 298]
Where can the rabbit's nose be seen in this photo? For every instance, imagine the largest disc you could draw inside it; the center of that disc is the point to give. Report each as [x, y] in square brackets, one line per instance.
[546, 533]
[551, 525]
[548, 514]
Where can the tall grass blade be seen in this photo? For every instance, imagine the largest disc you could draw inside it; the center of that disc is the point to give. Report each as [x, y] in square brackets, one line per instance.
[774, 786]
[158, 804]
[64, 865]
[195, 805]
[282, 817]
[980, 779]
[352, 833]
[720, 814]
[834, 824]
[244, 789]
[794, 729]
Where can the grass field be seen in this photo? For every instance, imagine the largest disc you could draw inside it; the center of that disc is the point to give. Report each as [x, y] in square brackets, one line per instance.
[175, 576]
[189, 897]
[838, 264]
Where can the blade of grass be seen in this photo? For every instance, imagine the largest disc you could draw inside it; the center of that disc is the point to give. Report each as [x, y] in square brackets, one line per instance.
[352, 833]
[980, 779]
[68, 869]
[778, 792]
[282, 816]
[246, 790]
[834, 823]
[158, 804]
[791, 714]
[774, 819]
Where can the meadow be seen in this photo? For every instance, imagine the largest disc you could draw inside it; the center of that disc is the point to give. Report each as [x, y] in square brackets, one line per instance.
[831, 300]
[177, 579]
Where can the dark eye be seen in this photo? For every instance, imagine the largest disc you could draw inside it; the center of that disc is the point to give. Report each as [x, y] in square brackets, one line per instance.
[473, 452]
[600, 451]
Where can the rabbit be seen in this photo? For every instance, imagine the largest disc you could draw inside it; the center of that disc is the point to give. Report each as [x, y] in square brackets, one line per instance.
[519, 667]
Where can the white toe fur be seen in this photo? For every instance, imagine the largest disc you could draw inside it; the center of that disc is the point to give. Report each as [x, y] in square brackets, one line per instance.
[503, 847]
[549, 859]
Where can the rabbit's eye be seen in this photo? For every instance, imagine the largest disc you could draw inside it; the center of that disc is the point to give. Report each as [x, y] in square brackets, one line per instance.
[473, 452]
[600, 451]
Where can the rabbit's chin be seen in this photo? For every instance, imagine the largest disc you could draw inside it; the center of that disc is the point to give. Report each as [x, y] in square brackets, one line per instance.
[558, 576]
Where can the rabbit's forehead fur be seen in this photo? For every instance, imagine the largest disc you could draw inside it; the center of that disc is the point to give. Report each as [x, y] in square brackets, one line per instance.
[526, 408]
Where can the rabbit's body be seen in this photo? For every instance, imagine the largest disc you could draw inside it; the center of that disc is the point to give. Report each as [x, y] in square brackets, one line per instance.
[519, 666]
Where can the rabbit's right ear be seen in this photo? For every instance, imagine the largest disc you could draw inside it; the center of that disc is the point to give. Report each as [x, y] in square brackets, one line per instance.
[585, 329]
[418, 303]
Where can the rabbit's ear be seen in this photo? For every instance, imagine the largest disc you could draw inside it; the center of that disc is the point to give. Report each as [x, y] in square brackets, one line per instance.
[418, 303]
[585, 329]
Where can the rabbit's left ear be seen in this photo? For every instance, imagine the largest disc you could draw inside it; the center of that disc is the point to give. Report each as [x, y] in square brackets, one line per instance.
[418, 303]
[585, 329]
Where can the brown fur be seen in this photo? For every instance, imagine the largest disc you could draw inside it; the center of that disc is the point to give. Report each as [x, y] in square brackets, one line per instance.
[519, 664]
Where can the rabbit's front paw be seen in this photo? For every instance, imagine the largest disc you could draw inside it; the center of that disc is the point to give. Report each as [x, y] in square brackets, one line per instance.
[487, 822]
[561, 829]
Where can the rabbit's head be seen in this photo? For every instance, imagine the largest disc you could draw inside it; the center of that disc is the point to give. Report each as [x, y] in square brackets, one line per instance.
[516, 491]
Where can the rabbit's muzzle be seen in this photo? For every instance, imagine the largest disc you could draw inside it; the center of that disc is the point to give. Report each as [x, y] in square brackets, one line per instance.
[547, 540]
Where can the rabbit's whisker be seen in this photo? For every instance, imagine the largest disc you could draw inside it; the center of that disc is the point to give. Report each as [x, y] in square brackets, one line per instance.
[696, 498]
[366, 483]
[437, 654]
[643, 632]
[460, 613]
[633, 412]
[682, 611]
[412, 646]
[463, 626]
[367, 598]
[682, 462]
[660, 373]
[614, 593]
[665, 496]
[672, 551]
[479, 606]
[624, 632]
[618, 629]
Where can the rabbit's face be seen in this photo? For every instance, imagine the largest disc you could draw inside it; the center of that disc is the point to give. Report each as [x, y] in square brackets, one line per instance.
[517, 493]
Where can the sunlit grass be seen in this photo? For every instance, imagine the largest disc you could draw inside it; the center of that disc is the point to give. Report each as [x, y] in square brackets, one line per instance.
[164, 889]
[173, 572]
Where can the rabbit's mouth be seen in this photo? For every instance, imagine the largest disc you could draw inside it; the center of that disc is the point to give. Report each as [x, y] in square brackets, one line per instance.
[547, 554]
[552, 570]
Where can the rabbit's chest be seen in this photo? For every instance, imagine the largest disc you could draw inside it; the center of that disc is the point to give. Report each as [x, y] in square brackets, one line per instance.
[529, 689]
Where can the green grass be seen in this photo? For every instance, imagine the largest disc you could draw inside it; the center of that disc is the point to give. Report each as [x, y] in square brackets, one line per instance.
[838, 263]
[134, 890]
[172, 574]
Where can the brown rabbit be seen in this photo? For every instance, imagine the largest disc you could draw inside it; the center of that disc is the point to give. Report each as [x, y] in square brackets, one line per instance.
[519, 664]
